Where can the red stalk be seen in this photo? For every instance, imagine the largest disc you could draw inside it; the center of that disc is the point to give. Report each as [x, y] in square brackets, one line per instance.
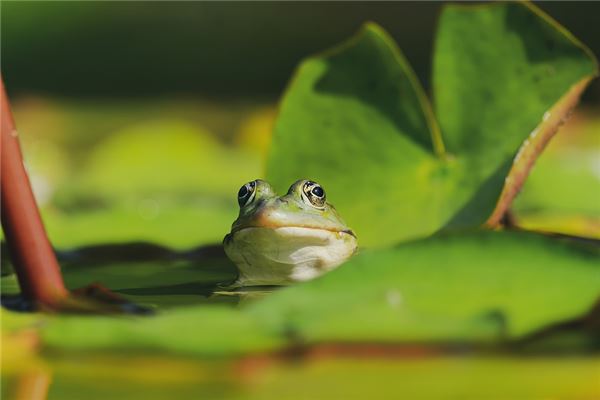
[33, 258]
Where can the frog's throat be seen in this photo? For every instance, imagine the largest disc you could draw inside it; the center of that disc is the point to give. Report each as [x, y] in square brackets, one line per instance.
[284, 255]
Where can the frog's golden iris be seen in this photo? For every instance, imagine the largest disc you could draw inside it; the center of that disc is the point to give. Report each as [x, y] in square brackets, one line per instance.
[278, 240]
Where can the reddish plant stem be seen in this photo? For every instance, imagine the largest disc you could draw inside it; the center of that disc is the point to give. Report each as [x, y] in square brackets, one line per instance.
[34, 260]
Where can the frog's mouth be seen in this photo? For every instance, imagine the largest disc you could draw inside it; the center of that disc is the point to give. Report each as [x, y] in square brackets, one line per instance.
[346, 231]
[291, 233]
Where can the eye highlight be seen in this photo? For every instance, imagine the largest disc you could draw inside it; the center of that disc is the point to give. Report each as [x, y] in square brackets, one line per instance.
[246, 193]
[313, 194]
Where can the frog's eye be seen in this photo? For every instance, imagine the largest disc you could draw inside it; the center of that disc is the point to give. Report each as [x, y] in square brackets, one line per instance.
[313, 194]
[246, 193]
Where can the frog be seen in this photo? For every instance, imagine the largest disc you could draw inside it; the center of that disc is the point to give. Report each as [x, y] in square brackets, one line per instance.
[281, 240]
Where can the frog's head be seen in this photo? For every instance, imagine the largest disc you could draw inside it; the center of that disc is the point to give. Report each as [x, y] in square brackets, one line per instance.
[304, 206]
[281, 239]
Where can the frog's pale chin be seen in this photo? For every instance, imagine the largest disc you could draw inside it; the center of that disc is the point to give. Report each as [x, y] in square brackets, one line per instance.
[283, 255]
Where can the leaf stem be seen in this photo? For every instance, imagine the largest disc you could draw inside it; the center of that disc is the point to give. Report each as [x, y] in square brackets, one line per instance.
[34, 260]
[532, 147]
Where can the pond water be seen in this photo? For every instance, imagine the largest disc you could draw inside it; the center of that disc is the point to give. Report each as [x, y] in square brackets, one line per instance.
[163, 279]
[153, 376]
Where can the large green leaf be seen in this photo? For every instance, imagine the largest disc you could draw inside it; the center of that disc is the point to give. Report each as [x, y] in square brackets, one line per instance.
[353, 119]
[356, 119]
[480, 288]
[505, 78]
[477, 286]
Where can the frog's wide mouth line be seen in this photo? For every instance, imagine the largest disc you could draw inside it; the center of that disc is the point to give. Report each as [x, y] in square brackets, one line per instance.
[345, 231]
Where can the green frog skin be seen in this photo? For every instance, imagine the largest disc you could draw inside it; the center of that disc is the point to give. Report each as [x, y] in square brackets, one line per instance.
[279, 240]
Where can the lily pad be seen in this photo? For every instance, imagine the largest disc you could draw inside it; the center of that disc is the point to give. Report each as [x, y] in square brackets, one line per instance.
[149, 275]
[162, 181]
[356, 119]
[484, 288]
[480, 286]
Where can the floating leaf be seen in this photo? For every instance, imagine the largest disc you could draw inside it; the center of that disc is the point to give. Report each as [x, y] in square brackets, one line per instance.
[146, 274]
[505, 78]
[356, 119]
[479, 288]
[498, 285]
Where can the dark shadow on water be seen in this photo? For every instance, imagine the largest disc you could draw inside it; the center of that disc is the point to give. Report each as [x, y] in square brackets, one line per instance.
[137, 252]
[192, 288]
[16, 302]
[144, 273]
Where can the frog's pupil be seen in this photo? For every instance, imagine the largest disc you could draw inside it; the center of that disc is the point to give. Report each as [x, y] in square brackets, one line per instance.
[243, 192]
[318, 191]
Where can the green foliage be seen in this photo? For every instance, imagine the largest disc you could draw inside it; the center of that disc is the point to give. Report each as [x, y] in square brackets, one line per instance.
[479, 286]
[156, 219]
[140, 161]
[166, 180]
[485, 287]
[356, 119]
[128, 181]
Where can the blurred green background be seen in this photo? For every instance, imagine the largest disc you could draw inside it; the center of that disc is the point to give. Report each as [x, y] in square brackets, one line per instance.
[127, 111]
[134, 49]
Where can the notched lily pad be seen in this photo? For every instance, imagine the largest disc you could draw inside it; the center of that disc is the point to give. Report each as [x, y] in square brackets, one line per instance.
[356, 119]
